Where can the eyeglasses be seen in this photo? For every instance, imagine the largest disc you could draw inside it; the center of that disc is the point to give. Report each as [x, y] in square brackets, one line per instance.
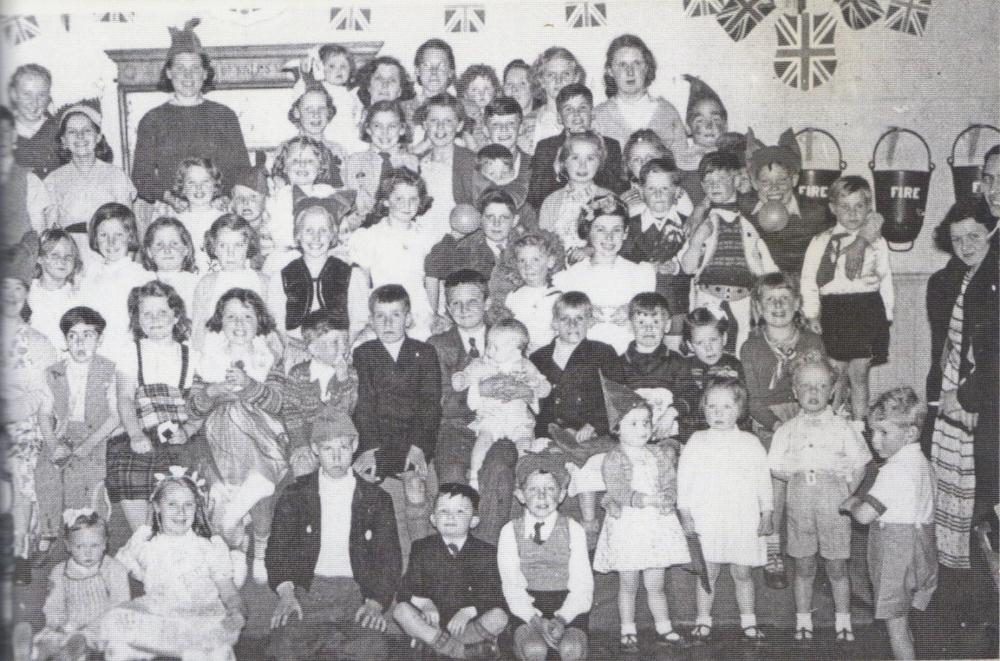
[779, 184]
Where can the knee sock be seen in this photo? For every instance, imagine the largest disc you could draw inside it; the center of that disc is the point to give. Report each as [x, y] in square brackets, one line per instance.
[628, 629]
[747, 621]
[259, 551]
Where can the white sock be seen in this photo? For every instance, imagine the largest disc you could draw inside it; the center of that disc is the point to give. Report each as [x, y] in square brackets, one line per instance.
[629, 629]
[747, 621]
[842, 621]
[703, 619]
[239, 559]
[664, 627]
[259, 571]
[804, 621]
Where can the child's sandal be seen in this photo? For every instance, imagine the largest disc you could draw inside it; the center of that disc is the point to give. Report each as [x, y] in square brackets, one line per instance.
[629, 643]
[671, 639]
[844, 636]
[754, 634]
[701, 633]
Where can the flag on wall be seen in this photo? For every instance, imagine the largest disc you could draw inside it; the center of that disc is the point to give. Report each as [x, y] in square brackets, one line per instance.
[358, 19]
[247, 16]
[696, 8]
[739, 17]
[805, 58]
[117, 17]
[859, 14]
[908, 16]
[586, 14]
[465, 18]
[19, 29]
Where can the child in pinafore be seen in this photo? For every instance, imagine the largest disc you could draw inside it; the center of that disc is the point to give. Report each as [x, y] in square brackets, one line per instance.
[902, 553]
[247, 443]
[81, 589]
[644, 535]
[84, 416]
[504, 387]
[724, 496]
[190, 607]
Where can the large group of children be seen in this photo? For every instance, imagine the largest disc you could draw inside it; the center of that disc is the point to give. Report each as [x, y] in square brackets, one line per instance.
[505, 296]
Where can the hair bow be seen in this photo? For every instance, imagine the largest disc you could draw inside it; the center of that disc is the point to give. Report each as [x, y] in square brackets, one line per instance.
[70, 516]
[179, 473]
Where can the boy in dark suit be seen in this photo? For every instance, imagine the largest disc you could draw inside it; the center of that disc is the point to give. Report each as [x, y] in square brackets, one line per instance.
[451, 597]
[398, 411]
[575, 105]
[333, 556]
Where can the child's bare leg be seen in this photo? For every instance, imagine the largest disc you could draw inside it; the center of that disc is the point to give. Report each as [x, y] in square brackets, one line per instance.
[628, 588]
[744, 588]
[706, 599]
[412, 622]
[573, 645]
[529, 645]
[840, 583]
[656, 599]
[479, 449]
[805, 575]
[136, 512]
[857, 374]
[588, 509]
[21, 514]
[900, 638]
[488, 625]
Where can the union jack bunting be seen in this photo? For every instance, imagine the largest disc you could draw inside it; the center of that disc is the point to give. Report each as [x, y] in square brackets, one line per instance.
[117, 17]
[696, 8]
[465, 18]
[739, 17]
[908, 16]
[859, 14]
[805, 57]
[586, 14]
[19, 29]
[350, 18]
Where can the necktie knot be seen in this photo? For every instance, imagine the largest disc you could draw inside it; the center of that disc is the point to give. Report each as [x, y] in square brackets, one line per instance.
[537, 537]
[473, 351]
[453, 549]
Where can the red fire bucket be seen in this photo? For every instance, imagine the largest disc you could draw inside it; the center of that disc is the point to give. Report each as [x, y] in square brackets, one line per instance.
[965, 178]
[814, 182]
[901, 196]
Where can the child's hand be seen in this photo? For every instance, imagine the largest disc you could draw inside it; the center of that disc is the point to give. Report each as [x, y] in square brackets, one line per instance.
[236, 376]
[287, 606]
[814, 325]
[578, 254]
[553, 631]
[631, 197]
[702, 232]
[430, 614]
[669, 267]
[440, 324]
[369, 616]
[416, 461]
[766, 526]
[743, 183]
[365, 465]
[586, 433]
[459, 621]
[459, 381]
[414, 487]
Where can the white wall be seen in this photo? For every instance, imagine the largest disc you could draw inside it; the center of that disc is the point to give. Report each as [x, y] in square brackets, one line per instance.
[936, 84]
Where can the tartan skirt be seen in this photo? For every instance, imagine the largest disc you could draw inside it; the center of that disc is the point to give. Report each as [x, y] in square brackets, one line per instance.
[131, 475]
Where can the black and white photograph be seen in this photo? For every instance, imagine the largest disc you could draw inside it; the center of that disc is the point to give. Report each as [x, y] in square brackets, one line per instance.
[500, 330]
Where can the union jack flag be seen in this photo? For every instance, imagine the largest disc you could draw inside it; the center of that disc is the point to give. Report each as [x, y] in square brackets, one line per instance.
[696, 8]
[586, 14]
[908, 16]
[739, 17]
[465, 18]
[19, 29]
[859, 14]
[350, 18]
[805, 57]
[117, 17]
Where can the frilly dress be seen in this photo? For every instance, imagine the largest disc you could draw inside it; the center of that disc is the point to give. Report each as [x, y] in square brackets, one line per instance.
[181, 613]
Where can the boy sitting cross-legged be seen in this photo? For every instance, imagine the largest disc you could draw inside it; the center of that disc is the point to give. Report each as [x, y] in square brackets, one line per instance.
[451, 597]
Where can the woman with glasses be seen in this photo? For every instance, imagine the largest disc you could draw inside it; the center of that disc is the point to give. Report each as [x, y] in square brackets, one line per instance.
[629, 70]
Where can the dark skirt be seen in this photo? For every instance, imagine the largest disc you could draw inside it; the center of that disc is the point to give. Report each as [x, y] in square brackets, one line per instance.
[132, 476]
[855, 326]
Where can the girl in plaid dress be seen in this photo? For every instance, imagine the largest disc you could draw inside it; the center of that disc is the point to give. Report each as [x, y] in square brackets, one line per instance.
[154, 377]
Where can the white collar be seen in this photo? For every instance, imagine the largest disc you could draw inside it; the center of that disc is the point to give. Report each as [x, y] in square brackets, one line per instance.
[673, 218]
[530, 520]
[345, 483]
[394, 348]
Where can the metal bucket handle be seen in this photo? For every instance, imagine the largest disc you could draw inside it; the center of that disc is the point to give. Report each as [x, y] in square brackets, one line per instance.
[840, 152]
[930, 163]
[951, 159]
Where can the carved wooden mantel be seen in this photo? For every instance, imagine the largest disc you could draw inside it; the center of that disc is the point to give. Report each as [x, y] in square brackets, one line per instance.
[236, 67]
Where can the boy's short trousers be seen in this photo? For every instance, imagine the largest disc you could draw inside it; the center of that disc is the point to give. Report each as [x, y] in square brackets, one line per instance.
[902, 563]
[814, 524]
[549, 601]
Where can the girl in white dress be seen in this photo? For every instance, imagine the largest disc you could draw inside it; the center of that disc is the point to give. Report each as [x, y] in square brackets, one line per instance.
[609, 280]
[108, 281]
[191, 608]
[644, 536]
[442, 119]
[168, 254]
[57, 287]
[233, 243]
[392, 251]
[724, 496]
[553, 70]
[197, 199]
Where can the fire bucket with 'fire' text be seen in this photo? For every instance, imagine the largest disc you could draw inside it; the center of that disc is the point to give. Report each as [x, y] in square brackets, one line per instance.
[900, 195]
[814, 182]
[965, 176]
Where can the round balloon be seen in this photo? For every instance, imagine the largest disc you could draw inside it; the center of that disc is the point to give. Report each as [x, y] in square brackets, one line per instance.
[773, 216]
[464, 219]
